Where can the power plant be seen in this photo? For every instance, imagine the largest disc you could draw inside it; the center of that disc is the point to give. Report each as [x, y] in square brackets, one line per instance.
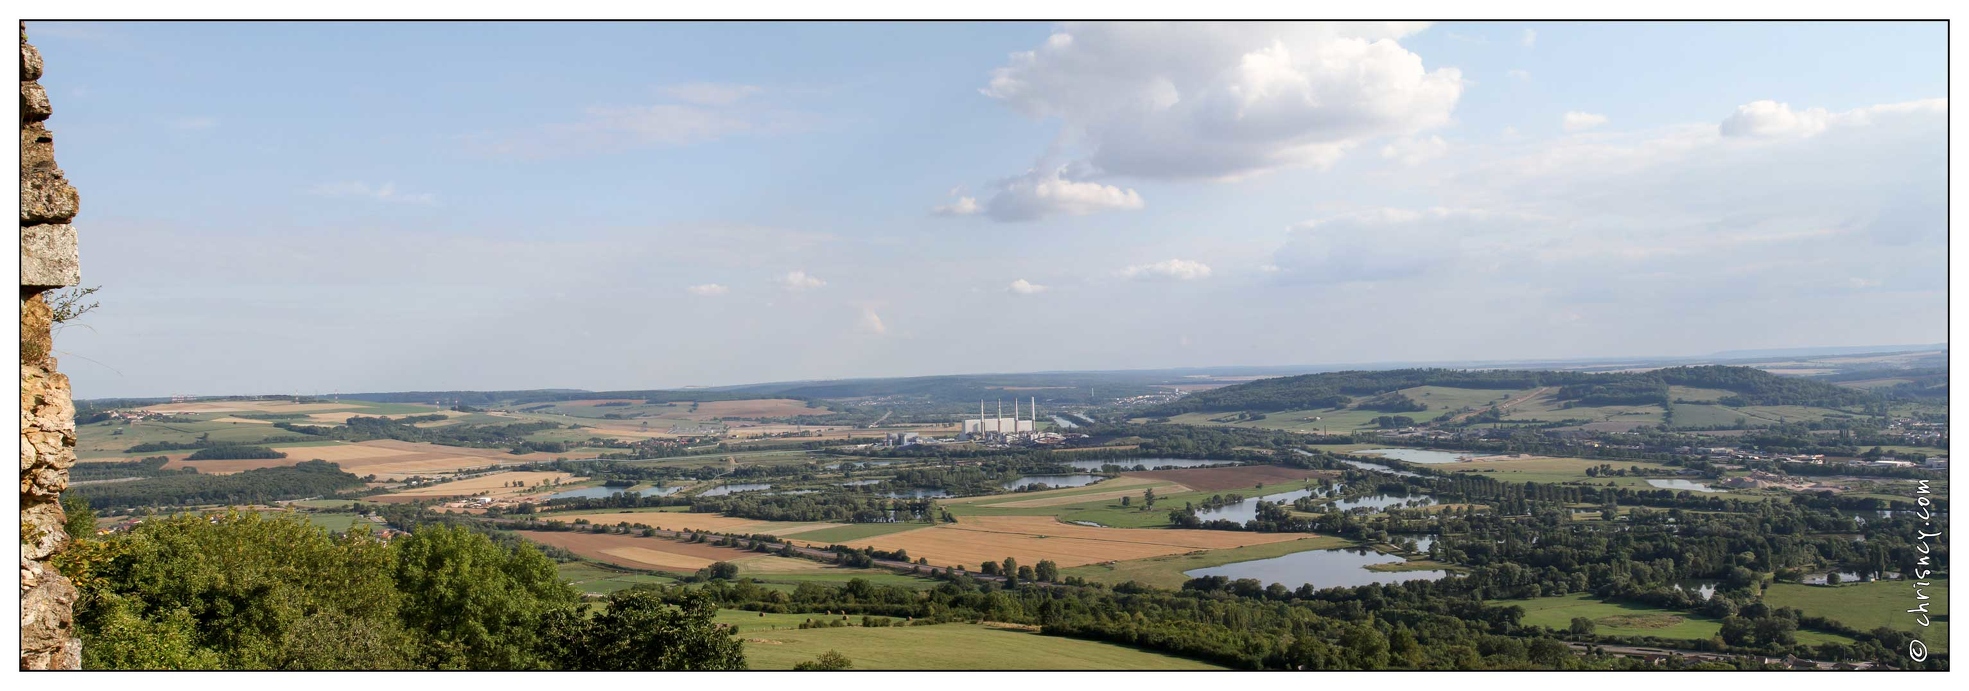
[1000, 425]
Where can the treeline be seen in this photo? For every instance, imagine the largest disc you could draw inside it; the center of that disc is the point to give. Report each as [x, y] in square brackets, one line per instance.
[227, 452]
[1749, 386]
[360, 428]
[290, 596]
[301, 480]
[202, 442]
[151, 466]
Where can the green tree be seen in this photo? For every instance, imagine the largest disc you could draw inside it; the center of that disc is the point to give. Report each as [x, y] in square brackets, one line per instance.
[640, 631]
[1581, 626]
[827, 662]
[80, 520]
[241, 591]
[1047, 571]
[476, 605]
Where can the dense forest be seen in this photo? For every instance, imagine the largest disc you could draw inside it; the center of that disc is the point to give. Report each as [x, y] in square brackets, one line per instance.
[1750, 386]
[360, 428]
[301, 480]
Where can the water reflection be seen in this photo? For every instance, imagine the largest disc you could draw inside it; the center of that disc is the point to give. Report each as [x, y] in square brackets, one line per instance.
[1684, 484]
[1418, 455]
[1326, 568]
[722, 490]
[1053, 481]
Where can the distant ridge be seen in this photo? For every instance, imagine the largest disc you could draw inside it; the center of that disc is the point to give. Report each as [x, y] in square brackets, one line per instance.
[1830, 350]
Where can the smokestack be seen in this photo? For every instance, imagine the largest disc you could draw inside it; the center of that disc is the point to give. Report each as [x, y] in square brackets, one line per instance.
[1015, 415]
[1035, 414]
[998, 423]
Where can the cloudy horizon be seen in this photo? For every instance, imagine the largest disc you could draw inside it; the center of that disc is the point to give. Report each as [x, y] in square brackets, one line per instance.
[392, 207]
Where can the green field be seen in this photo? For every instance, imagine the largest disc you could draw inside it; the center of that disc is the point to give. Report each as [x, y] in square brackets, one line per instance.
[589, 577]
[1549, 469]
[1167, 572]
[1868, 605]
[774, 641]
[1627, 619]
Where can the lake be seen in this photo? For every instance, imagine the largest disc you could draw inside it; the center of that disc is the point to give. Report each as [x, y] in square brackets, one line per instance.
[1248, 509]
[1382, 501]
[1376, 467]
[731, 489]
[1054, 480]
[918, 493]
[1684, 484]
[1149, 463]
[1418, 455]
[1702, 589]
[606, 492]
[1323, 568]
[858, 483]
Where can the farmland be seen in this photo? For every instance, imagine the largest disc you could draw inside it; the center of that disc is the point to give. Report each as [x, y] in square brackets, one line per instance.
[775, 641]
[1031, 539]
[1632, 620]
[1868, 605]
[1167, 571]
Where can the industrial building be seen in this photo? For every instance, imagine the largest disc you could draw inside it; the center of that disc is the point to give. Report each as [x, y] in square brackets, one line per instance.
[1001, 425]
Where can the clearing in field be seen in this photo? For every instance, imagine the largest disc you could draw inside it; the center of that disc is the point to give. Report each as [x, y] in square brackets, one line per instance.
[1232, 477]
[494, 485]
[777, 642]
[1031, 539]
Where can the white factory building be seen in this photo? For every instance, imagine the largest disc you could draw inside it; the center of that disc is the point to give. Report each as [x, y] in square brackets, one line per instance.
[1001, 425]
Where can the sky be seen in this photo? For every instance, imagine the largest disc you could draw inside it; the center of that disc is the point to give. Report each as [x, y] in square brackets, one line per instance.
[339, 207]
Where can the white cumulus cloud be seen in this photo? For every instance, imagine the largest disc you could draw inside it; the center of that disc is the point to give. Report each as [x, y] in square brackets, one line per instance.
[1575, 121]
[1225, 100]
[1024, 287]
[1171, 270]
[964, 206]
[798, 281]
[708, 289]
[1529, 38]
[1774, 119]
[1047, 192]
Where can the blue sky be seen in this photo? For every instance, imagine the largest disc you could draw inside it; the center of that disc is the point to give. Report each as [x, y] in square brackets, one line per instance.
[347, 206]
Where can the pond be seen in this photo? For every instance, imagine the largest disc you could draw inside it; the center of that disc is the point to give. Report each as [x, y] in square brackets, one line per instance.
[1848, 577]
[1324, 568]
[1422, 542]
[1383, 501]
[918, 493]
[1054, 480]
[858, 483]
[1149, 463]
[1418, 455]
[1063, 423]
[1685, 485]
[1376, 467]
[606, 492]
[1702, 589]
[722, 490]
[1248, 509]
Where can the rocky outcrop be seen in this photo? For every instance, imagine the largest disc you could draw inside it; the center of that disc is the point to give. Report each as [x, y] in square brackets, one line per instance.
[49, 260]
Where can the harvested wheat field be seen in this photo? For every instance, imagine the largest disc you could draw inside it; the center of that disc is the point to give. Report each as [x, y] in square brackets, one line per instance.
[494, 485]
[678, 520]
[664, 554]
[1233, 477]
[757, 408]
[1030, 539]
[240, 420]
[249, 407]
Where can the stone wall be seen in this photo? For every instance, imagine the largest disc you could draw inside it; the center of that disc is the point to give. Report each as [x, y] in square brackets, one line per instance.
[49, 260]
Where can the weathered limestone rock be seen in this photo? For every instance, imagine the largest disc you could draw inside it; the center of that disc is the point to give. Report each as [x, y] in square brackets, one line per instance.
[49, 260]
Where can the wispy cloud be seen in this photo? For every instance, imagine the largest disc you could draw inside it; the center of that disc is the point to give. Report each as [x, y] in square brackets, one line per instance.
[360, 190]
[1529, 38]
[698, 114]
[1024, 287]
[708, 289]
[799, 281]
[1172, 270]
[872, 322]
[1576, 121]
